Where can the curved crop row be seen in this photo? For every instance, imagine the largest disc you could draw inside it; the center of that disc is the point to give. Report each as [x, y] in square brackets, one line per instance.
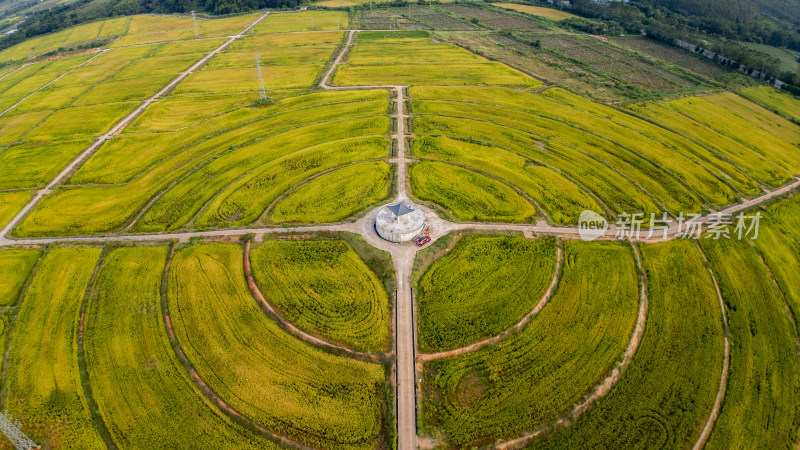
[537, 374]
[483, 286]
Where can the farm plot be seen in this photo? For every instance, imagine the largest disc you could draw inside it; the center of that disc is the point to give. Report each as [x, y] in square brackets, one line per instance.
[676, 56]
[606, 184]
[43, 386]
[303, 21]
[376, 60]
[323, 287]
[481, 288]
[146, 29]
[560, 199]
[290, 61]
[14, 127]
[293, 61]
[779, 246]
[550, 13]
[705, 174]
[535, 375]
[33, 165]
[305, 151]
[607, 139]
[493, 18]
[666, 394]
[773, 99]
[134, 177]
[264, 373]
[22, 83]
[756, 146]
[469, 195]
[380, 20]
[68, 38]
[15, 268]
[336, 196]
[433, 18]
[764, 378]
[142, 391]
[12, 202]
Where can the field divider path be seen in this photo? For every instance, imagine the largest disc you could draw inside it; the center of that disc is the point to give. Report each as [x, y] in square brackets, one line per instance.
[723, 379]
[99, 53]
[120, 126]
[203, 387]
[605, 386]
[287, 326]
[425, 357]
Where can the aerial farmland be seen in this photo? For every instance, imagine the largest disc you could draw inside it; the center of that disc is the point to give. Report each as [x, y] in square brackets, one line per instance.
[367, 225]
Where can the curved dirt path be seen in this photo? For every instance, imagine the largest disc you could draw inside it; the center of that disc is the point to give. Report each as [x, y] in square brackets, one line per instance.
[602, 389]
[425, 357]
[287, 326]
[723, 380]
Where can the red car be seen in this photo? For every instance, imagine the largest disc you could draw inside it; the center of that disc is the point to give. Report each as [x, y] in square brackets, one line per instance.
[422, 240]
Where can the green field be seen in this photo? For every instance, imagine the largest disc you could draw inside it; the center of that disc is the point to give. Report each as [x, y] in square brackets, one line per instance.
[483, 286]
[535, 375]
[469, 195]
[764, 382]
[780, 102]
[303, 21]
[326, 289]
[143, 393]
[550, 13]
[269, 376]
[295, 133]
[43, 385]
[15, 268]
[763, 146]
[666, 394]
[335, 196]
[421, 61]
[11, 203]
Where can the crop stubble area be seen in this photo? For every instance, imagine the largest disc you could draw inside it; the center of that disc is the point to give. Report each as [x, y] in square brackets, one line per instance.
[145, 346]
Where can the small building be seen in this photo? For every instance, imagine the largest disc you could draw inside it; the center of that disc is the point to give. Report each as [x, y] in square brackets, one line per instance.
[400, 222]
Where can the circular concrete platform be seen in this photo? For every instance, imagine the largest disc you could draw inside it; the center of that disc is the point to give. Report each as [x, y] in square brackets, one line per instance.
[399, 222]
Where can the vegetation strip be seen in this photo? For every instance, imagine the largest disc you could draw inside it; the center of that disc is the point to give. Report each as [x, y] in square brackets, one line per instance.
[296, 332]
